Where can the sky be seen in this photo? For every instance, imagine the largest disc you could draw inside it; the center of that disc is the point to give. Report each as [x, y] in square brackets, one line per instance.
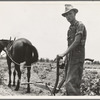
[42, 23]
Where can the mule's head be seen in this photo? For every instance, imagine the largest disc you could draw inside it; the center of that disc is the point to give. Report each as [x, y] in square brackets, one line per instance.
[4, 43]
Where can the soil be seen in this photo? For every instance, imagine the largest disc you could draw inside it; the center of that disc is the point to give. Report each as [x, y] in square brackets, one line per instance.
[42, 74]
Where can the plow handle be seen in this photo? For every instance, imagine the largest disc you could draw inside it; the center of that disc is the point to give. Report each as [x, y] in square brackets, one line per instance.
[57, 75]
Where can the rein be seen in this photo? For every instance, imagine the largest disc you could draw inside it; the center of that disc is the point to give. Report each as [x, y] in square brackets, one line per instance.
[7, 52]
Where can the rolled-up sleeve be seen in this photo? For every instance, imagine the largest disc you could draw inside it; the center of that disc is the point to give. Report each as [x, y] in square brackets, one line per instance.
[80, 29]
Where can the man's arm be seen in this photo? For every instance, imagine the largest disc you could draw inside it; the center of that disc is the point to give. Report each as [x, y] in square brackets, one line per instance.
[73, 45]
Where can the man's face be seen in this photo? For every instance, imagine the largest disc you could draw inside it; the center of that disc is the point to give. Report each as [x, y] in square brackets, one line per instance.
[70, 16]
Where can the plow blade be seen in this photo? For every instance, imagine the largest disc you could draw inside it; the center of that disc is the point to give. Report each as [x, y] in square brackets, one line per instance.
[40, 85]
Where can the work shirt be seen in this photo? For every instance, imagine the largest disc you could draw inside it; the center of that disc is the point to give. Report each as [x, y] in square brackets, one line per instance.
[78, 53]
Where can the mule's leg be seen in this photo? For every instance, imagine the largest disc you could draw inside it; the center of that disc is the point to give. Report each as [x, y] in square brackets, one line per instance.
[14, 75]
[28, 57]
[19, 77]
[28, 78]
[9, 68]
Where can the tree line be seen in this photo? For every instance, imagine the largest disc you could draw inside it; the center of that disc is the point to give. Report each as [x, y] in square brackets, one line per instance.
[94, 62]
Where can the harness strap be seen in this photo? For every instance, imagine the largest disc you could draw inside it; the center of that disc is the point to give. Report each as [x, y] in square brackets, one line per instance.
[5, 49]
[8, 54]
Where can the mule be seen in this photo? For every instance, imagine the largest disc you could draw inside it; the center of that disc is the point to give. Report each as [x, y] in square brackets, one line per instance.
[18, 51]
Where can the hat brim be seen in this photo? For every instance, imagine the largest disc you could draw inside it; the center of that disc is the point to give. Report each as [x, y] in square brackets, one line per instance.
[76, 10]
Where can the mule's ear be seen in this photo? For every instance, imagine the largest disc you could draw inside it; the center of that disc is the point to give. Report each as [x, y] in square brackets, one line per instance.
[14, 38]
[10, 37]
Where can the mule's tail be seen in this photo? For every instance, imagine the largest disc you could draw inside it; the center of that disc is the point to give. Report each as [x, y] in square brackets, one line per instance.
[36, 56]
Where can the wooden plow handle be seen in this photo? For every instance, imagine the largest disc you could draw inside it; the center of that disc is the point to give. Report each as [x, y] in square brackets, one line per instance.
[88, 59]
[57, 75]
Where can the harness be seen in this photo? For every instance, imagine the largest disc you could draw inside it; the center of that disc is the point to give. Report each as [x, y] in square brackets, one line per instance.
[6, 49]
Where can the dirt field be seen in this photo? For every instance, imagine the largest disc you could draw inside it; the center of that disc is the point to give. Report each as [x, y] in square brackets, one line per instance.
[42, 72]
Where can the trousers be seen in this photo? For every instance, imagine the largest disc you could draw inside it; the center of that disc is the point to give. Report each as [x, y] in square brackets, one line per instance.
[73, 79]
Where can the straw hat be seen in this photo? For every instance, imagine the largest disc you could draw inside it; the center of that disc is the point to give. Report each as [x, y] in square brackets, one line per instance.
[69, 7]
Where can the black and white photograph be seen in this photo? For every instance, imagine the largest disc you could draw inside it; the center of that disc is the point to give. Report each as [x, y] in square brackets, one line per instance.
[49, 49]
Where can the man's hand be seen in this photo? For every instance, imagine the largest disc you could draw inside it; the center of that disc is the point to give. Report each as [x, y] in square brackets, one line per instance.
[5, 48]
[61, 55]
[58, 57]
[66, 59]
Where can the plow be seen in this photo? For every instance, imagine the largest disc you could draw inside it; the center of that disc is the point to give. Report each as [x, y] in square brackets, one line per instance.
[52, 89]
[56, 88]
[41, 84]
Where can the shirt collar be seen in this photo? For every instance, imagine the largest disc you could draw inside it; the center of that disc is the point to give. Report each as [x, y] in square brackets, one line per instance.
[72, 24]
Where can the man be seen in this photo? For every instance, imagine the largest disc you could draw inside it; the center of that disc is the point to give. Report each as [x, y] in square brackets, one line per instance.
[75, 54]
